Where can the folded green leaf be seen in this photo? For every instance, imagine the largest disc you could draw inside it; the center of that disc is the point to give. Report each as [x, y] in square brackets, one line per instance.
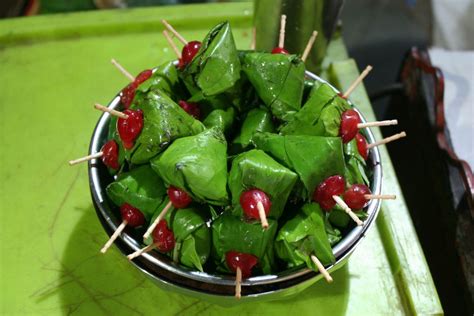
[166, 79]
[313, 158]
[231, 233]
[198, 165]
[216, 66]
[302, 236]
[257, 120]
[255, 169]
[278, 80]
[164, 121]
[355, 165]
[141, 187]
[221, 119]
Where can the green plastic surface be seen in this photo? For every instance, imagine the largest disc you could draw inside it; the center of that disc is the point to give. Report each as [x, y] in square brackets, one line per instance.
[53, 68]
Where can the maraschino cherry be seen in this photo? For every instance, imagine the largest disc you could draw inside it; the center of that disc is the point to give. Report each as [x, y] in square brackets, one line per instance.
[280, 50]
[355, 196]
[131, 216]
[128, 93]
[163, 237]
[110, 154]
[334, 185]
[348, 128]
[178, 197]
[250, 199]
[242, 264]
[129, 128]
[189, 51]
[191, 108]
[362, 146]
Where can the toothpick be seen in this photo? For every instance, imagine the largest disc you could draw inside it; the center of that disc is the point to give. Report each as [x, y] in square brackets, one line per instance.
[139, 252]
[310, 44]
[253, 43]
[175, 33]
[380, 196]
[281, 40]
[86, 158]
[172, 44]
[387, 140]
[377, 123]
[262, 215]
[114, 236]
[357, 81]
[157, 220]
[110, 111]
[122, 70]
[238, 286]
[347, 209]
[321, 269]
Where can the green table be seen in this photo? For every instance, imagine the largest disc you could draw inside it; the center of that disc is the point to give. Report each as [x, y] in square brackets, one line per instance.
[53, 68]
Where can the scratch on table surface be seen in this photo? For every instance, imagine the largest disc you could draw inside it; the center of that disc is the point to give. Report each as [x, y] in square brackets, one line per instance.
[63, 201]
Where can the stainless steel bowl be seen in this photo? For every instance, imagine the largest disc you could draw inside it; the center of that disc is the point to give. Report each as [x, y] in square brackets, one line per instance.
[218, 288]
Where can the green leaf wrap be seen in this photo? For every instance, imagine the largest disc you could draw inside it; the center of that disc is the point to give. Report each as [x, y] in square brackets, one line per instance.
[231, 233]
[302, 236]
[198, 165]
[255, 169]
[221, 119]
[278, 80]
[166, 79]
[355, 165]
[163, 122]
[141, 187]
[257, 120]
[313, 158]
[216, 66]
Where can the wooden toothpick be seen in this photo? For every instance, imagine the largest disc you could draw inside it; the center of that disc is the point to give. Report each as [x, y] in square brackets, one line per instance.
[122, 70]
[347, 209]
[85, 158]
[321, 268]
[110, 111]
[157, 220]
[387, 140]
[310, 44]
[172, 44]
[238, 281]
[281, 39]
[262, 215]
[175, 33]
[253, 43]
[114, 236]
[357, 81]
[377, 123]
[139, 252]
[380, 196]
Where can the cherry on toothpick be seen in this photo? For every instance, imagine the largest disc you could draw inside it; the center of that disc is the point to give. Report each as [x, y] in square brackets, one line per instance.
[110, 154]
[281, 39]
[129, 129]
[178, 197]
[244, 261]
[128, 93]
[355, 196]
[332, 186]
[132, 215]
[362, 146]
[256, 205]
[280, 50]
[163, 237]
[189, 51]
[348, 128]
[190, 108]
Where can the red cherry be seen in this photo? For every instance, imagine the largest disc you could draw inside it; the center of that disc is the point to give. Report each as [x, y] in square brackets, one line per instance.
[143, 76]
[244, 261]
[323, 194]
[130, 128]
[163, 237]
[127, 95]
[181, 64]
[279, 50]
[191, 108]
[362, 146]
[110, 154]
[132, 215]
[178, 197]
[249, 200]
[348, 128]
[354, 196]
[189, 51]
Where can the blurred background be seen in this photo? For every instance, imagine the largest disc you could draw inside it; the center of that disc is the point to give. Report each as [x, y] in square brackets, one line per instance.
[391, 35]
